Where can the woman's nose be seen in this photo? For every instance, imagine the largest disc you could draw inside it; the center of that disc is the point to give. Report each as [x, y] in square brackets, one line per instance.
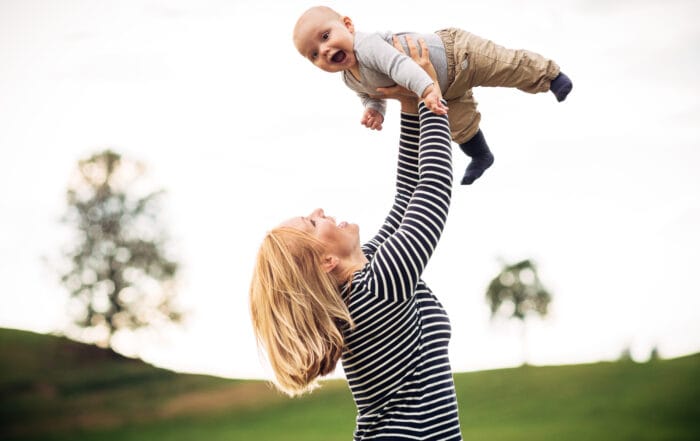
[317, 213]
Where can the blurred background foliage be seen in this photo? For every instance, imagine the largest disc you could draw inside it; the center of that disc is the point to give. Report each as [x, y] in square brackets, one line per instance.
[517, 293]
[118, 271]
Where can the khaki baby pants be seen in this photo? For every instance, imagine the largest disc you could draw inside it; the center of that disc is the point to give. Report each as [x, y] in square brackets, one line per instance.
[473, 61]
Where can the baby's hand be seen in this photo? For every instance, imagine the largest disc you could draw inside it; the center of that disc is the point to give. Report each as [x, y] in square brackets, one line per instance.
[433, 99]
[372, 119]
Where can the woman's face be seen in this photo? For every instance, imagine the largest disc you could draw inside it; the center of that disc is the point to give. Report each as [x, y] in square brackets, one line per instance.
[340, 239]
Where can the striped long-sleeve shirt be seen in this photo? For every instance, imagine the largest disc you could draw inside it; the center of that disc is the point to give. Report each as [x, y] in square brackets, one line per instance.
[396, 359]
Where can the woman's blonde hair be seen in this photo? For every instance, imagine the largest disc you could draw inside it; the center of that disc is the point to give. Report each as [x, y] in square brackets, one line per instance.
[297, 309]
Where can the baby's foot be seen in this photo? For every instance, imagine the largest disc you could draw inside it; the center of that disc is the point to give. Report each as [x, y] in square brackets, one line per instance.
[561, 86]
[477, 167]
[482, 158]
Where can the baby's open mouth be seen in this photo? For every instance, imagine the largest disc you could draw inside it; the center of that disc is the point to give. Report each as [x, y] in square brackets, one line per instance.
[338, 57]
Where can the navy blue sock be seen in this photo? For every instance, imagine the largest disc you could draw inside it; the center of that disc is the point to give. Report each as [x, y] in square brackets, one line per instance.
[561, 86]
[482, 158]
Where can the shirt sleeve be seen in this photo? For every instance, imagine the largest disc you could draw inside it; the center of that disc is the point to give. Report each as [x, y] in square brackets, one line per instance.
[406, 180]
[379, 55]
[413, 228]
[373, 103]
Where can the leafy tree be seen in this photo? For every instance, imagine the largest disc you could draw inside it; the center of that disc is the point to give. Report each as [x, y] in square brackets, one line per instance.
[118, 271]
[516, 292]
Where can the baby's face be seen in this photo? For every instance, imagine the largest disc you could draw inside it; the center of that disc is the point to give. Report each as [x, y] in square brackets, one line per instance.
[326, 41]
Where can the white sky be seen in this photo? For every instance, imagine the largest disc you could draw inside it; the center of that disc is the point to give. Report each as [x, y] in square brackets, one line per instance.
[601, 190]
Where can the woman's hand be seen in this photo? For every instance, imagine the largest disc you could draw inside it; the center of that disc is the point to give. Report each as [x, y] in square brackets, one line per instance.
[408, 99]
[423, 59]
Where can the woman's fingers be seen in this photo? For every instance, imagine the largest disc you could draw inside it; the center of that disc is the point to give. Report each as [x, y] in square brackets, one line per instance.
[412, 48]
[424, 50]
[397, 44]
[423, 55]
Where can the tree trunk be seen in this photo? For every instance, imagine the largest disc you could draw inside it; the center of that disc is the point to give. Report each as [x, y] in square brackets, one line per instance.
[523, 340]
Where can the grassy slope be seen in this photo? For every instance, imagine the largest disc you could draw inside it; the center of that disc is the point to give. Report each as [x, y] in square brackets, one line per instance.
[53, 389]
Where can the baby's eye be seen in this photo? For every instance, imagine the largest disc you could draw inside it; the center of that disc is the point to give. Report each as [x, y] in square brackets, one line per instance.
[314, 55]
[325, 35]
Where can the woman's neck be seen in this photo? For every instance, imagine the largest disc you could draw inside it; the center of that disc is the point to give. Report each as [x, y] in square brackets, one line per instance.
[344, 271]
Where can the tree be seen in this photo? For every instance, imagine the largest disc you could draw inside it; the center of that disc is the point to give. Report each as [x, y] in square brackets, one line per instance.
[516, 292]
[118, 271]
[654, 354]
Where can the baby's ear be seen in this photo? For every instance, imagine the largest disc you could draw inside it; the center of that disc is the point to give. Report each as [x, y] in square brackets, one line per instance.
[348, 24]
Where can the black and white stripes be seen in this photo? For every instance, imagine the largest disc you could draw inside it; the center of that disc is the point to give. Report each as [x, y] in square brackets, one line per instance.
[396, 358]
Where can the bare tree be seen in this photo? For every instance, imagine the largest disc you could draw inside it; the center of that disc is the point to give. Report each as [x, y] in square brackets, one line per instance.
[516, 292]
[118, 272]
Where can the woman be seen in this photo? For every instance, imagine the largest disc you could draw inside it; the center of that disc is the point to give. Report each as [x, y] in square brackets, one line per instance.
[317, 295]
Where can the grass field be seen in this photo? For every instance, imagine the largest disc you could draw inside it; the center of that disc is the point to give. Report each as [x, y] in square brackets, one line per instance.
[55, 389]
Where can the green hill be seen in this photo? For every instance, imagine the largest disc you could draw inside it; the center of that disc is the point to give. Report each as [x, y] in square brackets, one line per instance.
[55, 389]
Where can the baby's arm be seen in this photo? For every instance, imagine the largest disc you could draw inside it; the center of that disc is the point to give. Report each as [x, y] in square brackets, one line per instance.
[373, 116]
[406, 72]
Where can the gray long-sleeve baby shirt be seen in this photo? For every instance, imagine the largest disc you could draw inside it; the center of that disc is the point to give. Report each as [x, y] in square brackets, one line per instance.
[381, 65]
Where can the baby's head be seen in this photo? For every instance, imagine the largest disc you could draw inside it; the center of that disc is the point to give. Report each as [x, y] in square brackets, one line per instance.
[326, 38]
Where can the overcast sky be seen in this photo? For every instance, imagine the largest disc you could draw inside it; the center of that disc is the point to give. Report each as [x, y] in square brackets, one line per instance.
[602, 191]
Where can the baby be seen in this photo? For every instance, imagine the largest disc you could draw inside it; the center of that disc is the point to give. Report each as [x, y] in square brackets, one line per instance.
[462, 60]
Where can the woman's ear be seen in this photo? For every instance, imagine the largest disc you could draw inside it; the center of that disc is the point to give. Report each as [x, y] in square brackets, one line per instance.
[329, 263]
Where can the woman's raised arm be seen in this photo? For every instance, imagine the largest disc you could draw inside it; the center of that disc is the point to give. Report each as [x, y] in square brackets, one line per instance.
[400, 260]
[407, 164]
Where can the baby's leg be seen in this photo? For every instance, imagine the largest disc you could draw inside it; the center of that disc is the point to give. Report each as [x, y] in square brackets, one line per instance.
[482, 158]
[464, 123]
[487, 64]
